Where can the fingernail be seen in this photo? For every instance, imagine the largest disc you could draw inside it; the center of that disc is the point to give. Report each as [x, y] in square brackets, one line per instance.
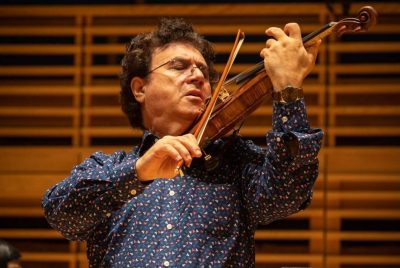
[188, 163]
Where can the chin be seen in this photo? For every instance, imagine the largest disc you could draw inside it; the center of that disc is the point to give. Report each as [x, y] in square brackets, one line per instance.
[191, 108]
[196, 112]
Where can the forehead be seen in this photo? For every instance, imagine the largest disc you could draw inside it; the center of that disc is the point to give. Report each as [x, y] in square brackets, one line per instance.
[184, 50]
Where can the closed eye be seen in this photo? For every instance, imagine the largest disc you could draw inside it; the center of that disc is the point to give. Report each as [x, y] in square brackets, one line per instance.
[179, 64]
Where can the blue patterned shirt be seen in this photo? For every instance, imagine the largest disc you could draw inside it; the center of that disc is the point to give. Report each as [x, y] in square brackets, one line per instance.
[206, 218]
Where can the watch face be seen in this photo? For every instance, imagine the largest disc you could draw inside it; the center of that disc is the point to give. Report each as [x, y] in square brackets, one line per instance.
[287, 94]
[293, 92]
[290, 94]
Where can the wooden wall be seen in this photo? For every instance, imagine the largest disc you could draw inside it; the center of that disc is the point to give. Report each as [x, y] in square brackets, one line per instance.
[59, 102]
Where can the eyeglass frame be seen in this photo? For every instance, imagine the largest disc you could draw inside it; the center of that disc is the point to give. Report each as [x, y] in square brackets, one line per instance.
[203, 68]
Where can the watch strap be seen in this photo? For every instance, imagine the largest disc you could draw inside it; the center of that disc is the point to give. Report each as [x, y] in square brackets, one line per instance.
[288, 94]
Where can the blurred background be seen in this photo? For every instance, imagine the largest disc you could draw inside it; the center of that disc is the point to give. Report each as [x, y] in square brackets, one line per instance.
[59, 66]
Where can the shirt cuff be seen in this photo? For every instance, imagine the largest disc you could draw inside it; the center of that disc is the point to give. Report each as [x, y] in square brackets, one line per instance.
[290, 117]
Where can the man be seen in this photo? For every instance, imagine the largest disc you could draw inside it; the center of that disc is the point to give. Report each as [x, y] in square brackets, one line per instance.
[135, 211]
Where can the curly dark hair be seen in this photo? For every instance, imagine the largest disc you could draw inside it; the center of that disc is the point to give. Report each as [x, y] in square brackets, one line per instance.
[138, 56]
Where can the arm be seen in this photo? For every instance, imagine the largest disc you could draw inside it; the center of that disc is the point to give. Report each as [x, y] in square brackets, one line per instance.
[95, 188]
[278, 182]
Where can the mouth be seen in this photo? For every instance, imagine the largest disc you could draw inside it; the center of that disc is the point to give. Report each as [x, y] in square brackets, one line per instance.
[195, 93]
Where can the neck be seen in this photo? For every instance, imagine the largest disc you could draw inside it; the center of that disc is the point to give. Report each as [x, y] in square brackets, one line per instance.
[163, 128]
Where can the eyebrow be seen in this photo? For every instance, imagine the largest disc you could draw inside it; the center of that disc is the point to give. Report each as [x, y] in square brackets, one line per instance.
[189, 59]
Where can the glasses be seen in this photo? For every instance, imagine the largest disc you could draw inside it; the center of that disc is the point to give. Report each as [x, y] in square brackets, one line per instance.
[182, 66]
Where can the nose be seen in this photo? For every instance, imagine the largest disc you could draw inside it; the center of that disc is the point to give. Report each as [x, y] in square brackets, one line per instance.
[194, 67]
[195, 72]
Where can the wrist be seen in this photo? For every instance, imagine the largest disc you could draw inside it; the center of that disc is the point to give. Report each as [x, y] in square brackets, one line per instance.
[288, 94]
[140, 172]
[281, 84]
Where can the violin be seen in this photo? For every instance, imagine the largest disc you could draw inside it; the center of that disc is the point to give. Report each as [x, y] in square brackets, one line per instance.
[236, 99]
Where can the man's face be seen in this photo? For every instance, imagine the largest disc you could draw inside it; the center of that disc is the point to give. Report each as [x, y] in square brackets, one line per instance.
[176, 90]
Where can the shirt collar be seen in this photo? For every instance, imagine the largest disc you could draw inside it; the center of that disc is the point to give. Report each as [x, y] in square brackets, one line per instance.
[148, 140]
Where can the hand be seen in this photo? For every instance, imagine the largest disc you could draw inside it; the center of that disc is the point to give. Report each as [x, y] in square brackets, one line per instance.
[161, 160]
[286, 60]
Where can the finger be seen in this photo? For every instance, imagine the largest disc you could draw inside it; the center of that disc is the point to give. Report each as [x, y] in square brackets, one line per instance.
[191, 137]
[190, 142]
[182, 150]
[269, 42]
[293, 30]
[313, 50]
[170, 151]
[263, 52]
[276, 33]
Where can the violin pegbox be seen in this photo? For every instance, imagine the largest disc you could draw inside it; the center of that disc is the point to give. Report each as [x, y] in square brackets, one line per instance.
[367, 17]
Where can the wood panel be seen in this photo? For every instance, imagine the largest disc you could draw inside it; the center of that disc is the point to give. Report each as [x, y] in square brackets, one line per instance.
[363, 207]
[41, 77]
[25, 175]
[40, 114]
[364, 92]
[59, 103]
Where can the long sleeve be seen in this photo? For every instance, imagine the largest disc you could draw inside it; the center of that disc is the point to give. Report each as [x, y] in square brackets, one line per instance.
[94, 189]
[277, 181]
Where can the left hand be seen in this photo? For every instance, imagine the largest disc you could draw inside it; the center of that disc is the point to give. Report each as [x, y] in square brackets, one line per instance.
[286, 60]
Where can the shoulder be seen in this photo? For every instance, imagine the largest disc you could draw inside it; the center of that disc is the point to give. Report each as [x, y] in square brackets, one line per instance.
[112, 158]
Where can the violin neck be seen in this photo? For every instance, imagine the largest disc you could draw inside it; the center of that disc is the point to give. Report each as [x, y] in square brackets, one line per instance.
[247, 74]
[321, 33]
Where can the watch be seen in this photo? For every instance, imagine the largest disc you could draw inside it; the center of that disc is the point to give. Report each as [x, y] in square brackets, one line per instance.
[288, 94]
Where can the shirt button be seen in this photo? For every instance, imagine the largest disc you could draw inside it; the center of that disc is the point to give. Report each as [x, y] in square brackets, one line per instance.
[166, 263]
[133, 192]
[171, 193]
[169, 226]
[284, 119]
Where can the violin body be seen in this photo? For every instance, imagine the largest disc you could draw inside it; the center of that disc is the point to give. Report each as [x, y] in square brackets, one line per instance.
[237, 107]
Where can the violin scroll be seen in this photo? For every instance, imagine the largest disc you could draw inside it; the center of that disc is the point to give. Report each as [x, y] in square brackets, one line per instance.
[367, 17]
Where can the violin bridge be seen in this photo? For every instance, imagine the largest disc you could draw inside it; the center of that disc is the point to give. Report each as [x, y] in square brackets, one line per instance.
[223, 94]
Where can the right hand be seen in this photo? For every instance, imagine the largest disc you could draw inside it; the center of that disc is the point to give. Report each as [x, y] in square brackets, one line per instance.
[161, 160]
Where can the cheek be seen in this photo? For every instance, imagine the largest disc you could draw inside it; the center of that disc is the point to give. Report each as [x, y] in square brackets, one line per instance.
[155, 104]
[158, 100]
[159, 96]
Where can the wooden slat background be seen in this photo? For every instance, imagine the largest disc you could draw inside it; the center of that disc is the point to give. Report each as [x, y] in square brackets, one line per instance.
[59, 91]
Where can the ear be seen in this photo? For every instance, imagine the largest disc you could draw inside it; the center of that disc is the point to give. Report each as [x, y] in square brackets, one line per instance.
[137, 88]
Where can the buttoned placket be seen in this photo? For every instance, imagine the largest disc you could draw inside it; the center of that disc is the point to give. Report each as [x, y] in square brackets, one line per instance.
[171, 203]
